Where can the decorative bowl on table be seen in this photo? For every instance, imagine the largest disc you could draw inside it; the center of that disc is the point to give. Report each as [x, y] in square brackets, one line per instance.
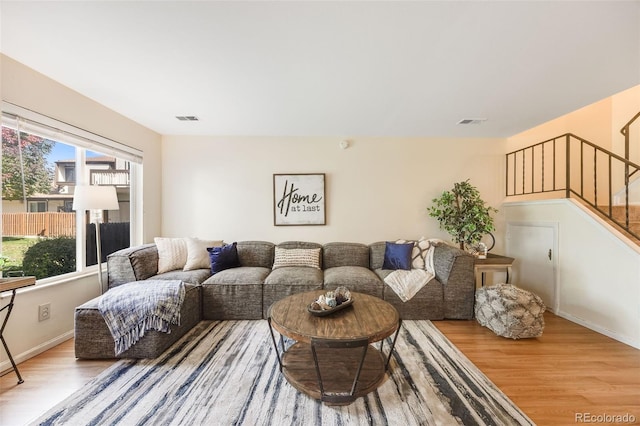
[330, 302]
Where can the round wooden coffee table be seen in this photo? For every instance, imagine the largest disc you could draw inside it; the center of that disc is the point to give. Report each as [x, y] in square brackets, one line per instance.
[332, 359]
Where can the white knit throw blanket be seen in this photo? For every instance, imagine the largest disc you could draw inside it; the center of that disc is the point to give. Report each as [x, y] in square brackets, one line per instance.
[407, 283]
[133, 308]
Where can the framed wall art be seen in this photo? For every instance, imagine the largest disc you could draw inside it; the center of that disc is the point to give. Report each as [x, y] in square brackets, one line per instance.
[298, 199]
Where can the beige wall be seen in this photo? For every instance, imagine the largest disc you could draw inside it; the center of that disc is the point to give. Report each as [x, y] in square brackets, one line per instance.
[24, 87]
[599, 123]
[377, 189]
[624, 107]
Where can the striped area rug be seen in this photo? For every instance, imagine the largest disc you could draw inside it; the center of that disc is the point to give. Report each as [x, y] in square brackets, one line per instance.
[226, 373]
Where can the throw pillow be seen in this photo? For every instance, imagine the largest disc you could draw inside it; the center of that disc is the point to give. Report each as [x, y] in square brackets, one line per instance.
[172, 253]
[223, 257]
[296, 257]
[197, 255]
[417, 256]
[397, 256]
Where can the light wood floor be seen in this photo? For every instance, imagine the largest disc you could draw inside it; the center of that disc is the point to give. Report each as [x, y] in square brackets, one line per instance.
[570, 370]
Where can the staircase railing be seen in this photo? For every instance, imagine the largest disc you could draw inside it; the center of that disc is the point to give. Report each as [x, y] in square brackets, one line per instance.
[576, 167]
[626, 132]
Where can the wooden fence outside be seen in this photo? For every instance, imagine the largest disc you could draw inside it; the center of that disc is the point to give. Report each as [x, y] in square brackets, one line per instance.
[38, 224]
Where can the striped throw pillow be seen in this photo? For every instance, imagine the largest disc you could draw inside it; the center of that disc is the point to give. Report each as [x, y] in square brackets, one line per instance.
[172, 253]
[296, 257]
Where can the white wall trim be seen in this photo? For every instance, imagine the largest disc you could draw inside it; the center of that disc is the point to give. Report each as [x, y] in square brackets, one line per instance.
[601, 330]
[5, 366]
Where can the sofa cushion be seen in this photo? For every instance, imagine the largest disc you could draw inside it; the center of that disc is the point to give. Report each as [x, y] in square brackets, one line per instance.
[355, 278]
[309, 258]
[195, 276]
[224, 257]
[382, 273]
[345, 254]
[172, 253]
[197, 254]
[239, 275]
[295, 275]
[397, 255]
[234, 293]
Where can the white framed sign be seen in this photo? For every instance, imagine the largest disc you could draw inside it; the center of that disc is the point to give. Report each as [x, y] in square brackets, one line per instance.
[298, 199]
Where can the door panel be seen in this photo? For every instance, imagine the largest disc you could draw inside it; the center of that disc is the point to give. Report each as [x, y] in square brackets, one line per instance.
[534, 246]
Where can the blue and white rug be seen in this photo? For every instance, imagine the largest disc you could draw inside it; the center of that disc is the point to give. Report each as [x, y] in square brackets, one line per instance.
[226, 373]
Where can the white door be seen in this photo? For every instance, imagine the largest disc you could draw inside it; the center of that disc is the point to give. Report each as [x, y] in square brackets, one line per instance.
[534, 245]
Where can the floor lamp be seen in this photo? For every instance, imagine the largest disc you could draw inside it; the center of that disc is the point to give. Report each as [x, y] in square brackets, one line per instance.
[96, 199]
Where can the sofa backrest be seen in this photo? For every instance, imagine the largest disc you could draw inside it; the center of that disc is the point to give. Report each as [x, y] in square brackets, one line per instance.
[376, 254]
[132, 264]
[255, 253]
[345, 254]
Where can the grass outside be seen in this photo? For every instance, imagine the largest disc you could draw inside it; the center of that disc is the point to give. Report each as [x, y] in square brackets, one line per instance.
[14, 248]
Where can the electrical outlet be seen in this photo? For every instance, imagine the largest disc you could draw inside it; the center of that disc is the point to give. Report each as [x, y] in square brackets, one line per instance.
[44, 312]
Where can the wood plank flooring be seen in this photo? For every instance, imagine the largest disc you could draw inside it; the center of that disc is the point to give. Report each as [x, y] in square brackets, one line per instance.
[563, 376]
[568, 371]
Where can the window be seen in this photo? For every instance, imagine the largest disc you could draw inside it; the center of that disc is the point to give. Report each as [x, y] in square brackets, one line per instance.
[42, 162]
[37, 206]
[70, 174]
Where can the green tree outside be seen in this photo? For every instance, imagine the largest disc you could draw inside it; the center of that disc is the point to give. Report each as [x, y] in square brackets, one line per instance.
[38, 175]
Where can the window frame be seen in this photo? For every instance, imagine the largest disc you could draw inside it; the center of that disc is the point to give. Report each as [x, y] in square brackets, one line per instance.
[83, 140]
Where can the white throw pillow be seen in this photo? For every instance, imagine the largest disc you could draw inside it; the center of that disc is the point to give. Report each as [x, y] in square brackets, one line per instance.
[172, 253]
[197, 254]
[296, 257]
[417, 257]
[422, 253]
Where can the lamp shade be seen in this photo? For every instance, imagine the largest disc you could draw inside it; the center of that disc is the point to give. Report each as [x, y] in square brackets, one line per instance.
[92, 197]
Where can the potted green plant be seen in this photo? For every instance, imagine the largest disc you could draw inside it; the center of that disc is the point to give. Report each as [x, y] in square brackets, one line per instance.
[463, 214]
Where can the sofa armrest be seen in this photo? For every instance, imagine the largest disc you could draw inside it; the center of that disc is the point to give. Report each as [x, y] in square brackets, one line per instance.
[454, 269]
[132, 264]
[444, 259]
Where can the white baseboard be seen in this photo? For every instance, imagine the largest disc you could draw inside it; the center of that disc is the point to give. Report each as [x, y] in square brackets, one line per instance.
[599, 329]
[5, 366]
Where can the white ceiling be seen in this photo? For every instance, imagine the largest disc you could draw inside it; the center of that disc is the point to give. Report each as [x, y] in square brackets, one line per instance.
[332, 68]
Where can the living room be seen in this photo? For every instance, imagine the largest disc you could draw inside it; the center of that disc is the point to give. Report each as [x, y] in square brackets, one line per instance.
[378, 187]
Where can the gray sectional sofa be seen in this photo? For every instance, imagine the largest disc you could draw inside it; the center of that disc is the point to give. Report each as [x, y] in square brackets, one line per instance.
[247, 291]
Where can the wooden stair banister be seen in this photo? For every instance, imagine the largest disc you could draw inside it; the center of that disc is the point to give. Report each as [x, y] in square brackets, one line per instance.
[529, 169]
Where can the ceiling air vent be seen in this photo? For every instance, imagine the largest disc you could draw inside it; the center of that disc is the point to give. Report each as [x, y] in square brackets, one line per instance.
[472, 120]
[187, 118]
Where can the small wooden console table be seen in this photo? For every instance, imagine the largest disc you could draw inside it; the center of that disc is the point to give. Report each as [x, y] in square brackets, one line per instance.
[493, 263]
[318, 364]
[12, 284]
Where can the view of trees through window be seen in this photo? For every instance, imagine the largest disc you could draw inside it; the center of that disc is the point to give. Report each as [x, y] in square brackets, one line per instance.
[39, 235]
